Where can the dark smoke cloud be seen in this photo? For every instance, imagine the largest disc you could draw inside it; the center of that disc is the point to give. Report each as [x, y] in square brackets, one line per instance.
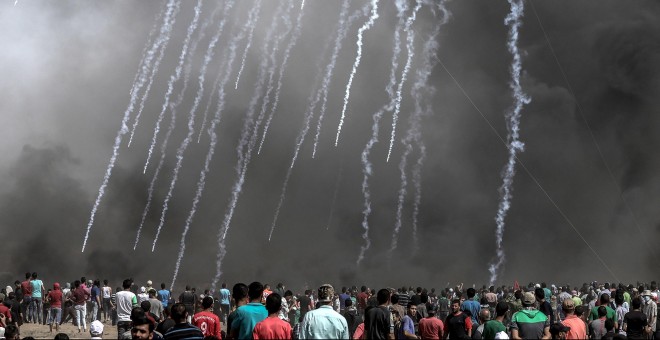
[68, 68]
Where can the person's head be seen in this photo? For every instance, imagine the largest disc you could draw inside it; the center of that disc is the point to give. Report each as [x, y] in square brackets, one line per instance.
[179, 313]
[96, 328]
[363, 289]
[528, 299]
[609, 325]
[61, 336]
[383, 296]
[471, 293]
[604, 299]
[568, 306]
[394, 298]
[602, 312]
[636, 303]
[142, 328]
[558, 331]
[455, 305]
[127, 284]
[207, 302]
[579, 310]
[518, 294]
[224, 285]
[162, 285]
[152, 293]
[539, 293]
[239, 291]
[105, 282]
[146, 305]
[76, 284]
[484, 315]
[326, 294]
[501, 308]
[28, 275]
[348, 303]
[412, 309]
[12, 332]
[255, 291]
[273, 303]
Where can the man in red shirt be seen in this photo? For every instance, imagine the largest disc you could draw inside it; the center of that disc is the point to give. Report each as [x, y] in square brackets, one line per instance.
[578, 329]
[273, 327]
[26, 288]
[206, 320]
[431, 327]
[55, 299]
[362, 298]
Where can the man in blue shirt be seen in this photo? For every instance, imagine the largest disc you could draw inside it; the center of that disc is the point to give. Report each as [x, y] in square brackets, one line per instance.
[472, 306]
[224, 302]
[163, 295]
[249, 315]
[324, 322]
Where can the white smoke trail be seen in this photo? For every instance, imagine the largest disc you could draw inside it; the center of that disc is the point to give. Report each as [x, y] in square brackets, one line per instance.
[208, 105]
[513, 20]
[285, 59]
[251, 24]
[149, 42]
[210, 51]
[159, 46]
[410, 44]
[417, 183]
[244, 157]
[366, 26]
[172, 5]
[367, 171]
[344, 25]
[174, 106]
[173, 79]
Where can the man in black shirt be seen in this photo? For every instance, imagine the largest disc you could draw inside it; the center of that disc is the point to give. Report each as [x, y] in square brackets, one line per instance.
[634, 322]
[458, 325]
[544, 306]
[377, 320]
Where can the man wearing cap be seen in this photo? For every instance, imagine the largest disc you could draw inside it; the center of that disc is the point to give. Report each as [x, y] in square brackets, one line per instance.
[578, 329]
[529, 323]
[96, 329]
[324, 322]
[650, 309]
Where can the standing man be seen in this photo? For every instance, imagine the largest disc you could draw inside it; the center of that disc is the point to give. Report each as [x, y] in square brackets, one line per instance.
[324, 322]
[273, 327]
[156, 306]
[79, 297]
[472, 306]
[189, 299]
[431, 327]
[55, 300]
[26, 288]
[650, 309]
[407, 329]
[458, 325]
[107, 302]
[37, 297]
[224, 302]
[493, 327]
[126, 300]
[182, 329]
[206, 320]
[529, 323]
[362, 298]
[378, 320]
[249, 315]
[163, 295]
[96, 300]
[578, 329]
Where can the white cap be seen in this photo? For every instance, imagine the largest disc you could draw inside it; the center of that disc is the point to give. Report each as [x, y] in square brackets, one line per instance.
[149, 283]
[96, 328]
[143, 290]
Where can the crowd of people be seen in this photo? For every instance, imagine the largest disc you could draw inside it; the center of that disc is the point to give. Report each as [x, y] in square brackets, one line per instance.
[255, 311]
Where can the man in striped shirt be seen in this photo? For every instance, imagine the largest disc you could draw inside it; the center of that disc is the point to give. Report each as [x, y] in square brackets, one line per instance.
[182, 329]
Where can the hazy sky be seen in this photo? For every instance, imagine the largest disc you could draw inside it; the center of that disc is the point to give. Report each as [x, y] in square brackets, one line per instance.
[584, 209]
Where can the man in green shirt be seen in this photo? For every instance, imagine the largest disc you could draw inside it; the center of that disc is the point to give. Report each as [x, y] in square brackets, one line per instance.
[495, 326]
[611, 313]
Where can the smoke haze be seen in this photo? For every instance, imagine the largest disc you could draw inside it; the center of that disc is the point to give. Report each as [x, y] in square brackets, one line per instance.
[68, 67]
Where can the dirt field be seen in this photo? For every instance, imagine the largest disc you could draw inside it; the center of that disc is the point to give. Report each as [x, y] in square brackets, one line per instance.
[43, 331]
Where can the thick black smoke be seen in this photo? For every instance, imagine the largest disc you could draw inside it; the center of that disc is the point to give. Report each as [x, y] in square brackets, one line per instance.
[584, 206]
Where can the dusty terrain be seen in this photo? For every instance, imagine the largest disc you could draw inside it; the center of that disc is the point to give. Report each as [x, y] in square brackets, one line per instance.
[43, 331]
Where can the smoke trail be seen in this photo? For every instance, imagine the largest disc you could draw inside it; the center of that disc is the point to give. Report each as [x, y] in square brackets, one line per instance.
[160, 46]
[210, 51]
[343, 29]
[172, 7]
[149, 42]
[173, 78]
[173, 108]
[513, 20]
[410, 39]
[287, 52]
[366, 26]
[367, 172]
[208, 105]
[245, 157]
[252, 17]
[252, 24]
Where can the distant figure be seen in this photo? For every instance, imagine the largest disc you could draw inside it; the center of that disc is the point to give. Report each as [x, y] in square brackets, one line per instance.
[164, 295]
[107, 301]
[225, 300]
[189, 299]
